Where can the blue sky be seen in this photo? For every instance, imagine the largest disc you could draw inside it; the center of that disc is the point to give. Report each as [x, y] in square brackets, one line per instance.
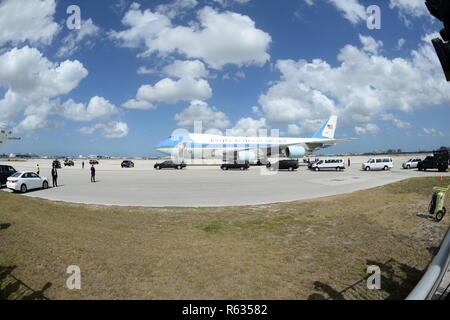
[136, 71]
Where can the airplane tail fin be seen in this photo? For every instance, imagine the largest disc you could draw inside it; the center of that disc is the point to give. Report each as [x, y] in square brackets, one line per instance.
[327, 130]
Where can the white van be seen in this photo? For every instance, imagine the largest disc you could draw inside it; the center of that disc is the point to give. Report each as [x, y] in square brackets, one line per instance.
[378, 164]
[328, 164]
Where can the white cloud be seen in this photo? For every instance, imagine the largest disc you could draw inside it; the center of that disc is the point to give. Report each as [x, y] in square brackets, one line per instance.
[34, 86]
[368, 128]
[110, 130]
[414, 8]
[27, 20]
[138, 104]
[434, 132]
[73, 40]
[198, 110]
[352, 10]
[31, 81]
[362, 88]
[370, 45]
[97, 108]
[248, 127]
[170, 91]
[397, 122]
[218, 38]
[176, 8]
[183, 69]
[114, 129]
[145, 70]
[227, 3]
[294, 130]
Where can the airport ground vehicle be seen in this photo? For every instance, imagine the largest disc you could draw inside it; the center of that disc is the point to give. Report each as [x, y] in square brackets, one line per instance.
[170, 165]
[68, 163]
[378, 164]
[93, 162]
[439, 161]
[5, 172]
[290, 165]
[56, 163]
[235, 165]
[437, 203]
[127, 164]
[411, 163]
[24, 181]
[328, 164]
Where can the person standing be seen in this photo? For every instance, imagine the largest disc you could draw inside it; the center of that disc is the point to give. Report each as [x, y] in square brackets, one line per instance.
[38, 170]
[82, 165]
[349, 162]
[92, 173]
[55, 176]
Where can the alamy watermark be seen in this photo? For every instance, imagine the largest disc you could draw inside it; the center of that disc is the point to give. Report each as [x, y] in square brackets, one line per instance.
[374, 279]
[74, 280]
[373, 17]
[73, 22]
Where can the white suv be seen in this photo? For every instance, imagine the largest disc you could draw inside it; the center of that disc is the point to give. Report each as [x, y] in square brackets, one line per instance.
[411, 163]
[378, 164]
[329, 164]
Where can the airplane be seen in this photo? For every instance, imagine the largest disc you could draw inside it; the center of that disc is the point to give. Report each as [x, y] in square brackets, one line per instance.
[208, 146]
[5, 135]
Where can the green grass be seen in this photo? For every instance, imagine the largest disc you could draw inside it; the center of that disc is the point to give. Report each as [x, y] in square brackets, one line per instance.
[310, 249]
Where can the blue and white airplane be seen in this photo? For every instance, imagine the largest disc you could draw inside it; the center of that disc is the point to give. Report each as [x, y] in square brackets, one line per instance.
[207, 146]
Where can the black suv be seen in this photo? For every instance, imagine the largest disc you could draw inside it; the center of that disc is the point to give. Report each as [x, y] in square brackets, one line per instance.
[439, 161]
[127, 164]
[56, 164]
[170, 165]
[5, 172]
[235, 165]
[290, 165]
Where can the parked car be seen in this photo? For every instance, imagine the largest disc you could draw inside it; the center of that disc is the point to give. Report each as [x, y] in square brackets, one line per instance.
[290, 165]
[170, 165]
[68, 163]
[411, 163]
[439, 161]
[127, 164]
[24, 181]
[93, 162]
[328, 164]
[235, 165]
[5, 172]
[56, 163]
[378, 164]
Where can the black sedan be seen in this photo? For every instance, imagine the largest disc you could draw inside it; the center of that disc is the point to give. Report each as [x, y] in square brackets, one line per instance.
[127, 164]
[170, 165]
[235, 165]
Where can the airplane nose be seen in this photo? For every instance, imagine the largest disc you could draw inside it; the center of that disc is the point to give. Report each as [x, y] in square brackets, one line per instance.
[168, 143]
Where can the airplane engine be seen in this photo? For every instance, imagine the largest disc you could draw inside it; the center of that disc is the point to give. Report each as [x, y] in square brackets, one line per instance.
[246, 156]
[295, 152]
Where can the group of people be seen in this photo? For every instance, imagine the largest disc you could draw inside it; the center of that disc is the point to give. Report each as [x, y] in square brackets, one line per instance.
[54, 173]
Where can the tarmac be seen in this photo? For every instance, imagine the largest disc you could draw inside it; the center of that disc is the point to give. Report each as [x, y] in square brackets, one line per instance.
[205, 186]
